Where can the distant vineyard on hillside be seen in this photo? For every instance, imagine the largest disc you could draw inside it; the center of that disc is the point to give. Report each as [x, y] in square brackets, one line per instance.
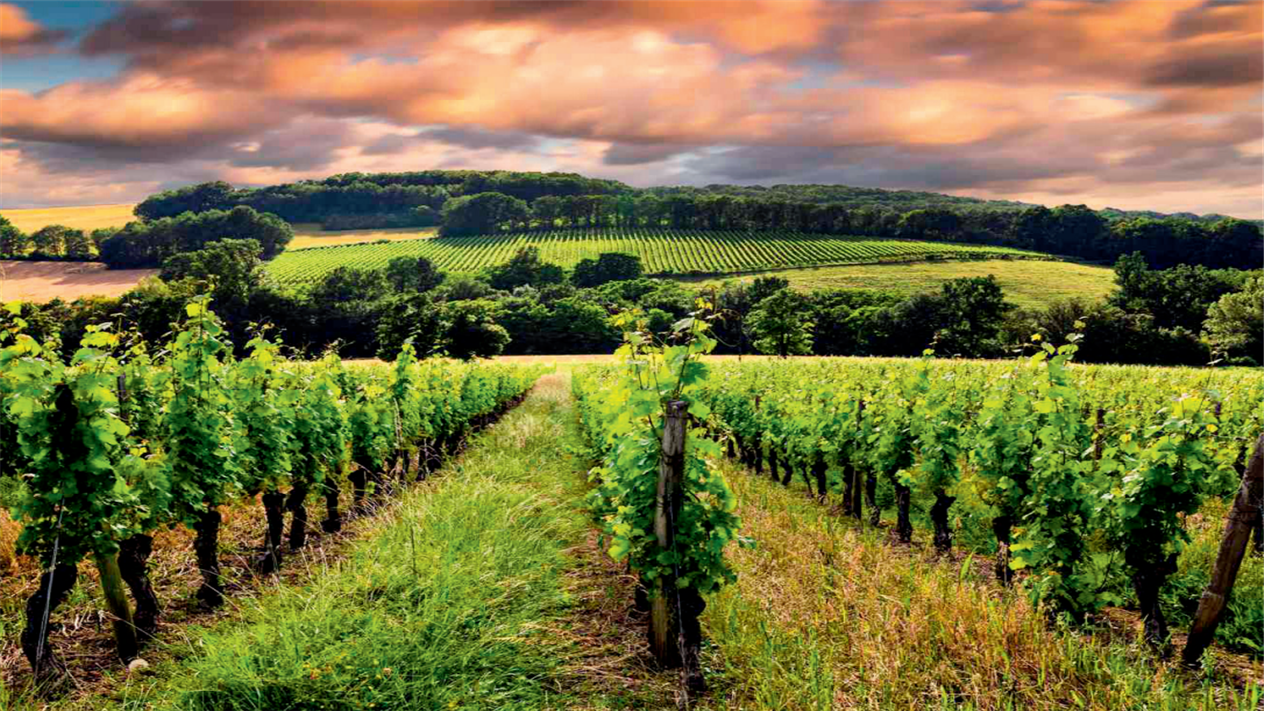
[664, 252]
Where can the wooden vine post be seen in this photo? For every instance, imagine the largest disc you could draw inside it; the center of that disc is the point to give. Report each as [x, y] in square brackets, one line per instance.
[1247, 509]
[857, 484]
[112, 575]
[116, 600]
[675, 635]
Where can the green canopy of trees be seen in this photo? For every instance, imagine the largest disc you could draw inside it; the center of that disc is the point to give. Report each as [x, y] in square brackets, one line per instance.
[781, 326]
[150, 243]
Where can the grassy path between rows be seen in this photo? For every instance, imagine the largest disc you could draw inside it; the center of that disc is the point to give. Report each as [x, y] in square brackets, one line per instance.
[451, 600]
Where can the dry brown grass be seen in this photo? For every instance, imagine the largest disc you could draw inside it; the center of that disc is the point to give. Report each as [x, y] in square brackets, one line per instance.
[828, 615]
[9, 530]
[611, 662]
[43, 281]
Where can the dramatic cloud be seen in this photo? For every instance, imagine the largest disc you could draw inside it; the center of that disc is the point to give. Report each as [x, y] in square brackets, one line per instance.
[1071, 100]
[19, 36]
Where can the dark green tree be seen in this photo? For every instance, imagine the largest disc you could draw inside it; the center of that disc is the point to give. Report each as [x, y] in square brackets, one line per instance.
[765, 286]
[524, 269]
[607, 267]
[345, 284]
[472, 330]
[781, 326]
[1235, 324]
[483, 213]
[972, 312]
[13, 242]
[50, 241]
[408, 274]
[77, 244]
[414, 318]
[231, 268]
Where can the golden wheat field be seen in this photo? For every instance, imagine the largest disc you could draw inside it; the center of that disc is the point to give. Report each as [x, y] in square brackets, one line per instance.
[87, 217]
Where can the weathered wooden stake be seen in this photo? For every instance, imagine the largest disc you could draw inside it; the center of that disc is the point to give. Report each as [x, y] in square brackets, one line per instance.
[675, 635]
[116, 600]
[1238, 524]
[857, 501]
[757, 447]
[670, 475]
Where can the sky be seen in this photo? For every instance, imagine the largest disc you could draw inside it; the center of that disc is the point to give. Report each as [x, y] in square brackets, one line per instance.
[1136, 105]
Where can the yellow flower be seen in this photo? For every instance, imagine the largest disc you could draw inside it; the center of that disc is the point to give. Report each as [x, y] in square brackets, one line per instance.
[1035, 337]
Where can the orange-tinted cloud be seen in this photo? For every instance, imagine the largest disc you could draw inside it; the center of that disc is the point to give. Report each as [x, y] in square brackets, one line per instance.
[19, 35]
[998, 96]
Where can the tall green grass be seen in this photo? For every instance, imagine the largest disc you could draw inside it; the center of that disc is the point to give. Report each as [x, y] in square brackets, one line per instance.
[442, 607]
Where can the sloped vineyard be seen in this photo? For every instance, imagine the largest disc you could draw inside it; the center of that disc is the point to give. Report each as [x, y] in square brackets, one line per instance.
[662, 251]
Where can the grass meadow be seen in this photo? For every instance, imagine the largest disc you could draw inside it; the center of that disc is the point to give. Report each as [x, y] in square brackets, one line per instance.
[1026, 283]
[309, 234]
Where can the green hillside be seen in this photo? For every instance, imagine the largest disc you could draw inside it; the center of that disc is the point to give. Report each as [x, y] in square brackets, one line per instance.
[1026, 283]
[662, 252]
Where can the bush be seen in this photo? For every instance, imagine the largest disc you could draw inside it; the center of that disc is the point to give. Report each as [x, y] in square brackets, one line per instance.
[607, 267]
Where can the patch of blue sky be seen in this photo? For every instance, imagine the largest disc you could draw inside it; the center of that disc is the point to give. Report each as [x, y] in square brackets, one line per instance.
[45, 71]
[75, 17]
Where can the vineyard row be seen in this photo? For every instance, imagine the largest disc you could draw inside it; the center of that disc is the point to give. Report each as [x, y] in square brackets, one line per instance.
[119, 443]
[1081, 477]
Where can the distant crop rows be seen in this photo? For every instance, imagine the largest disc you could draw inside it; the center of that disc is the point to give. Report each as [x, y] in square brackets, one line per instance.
[661, 251]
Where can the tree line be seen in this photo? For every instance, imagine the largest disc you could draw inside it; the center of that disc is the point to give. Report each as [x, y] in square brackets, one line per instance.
[1067, 230]
[1185, 315]
[419, 193]
[49, 243]
[466, 203]
[147, 243]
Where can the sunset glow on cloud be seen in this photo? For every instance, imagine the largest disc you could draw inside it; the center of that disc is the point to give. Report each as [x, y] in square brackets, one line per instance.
[1136, 105]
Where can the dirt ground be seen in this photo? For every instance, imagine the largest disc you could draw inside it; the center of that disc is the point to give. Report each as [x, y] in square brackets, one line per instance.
[44, 281]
